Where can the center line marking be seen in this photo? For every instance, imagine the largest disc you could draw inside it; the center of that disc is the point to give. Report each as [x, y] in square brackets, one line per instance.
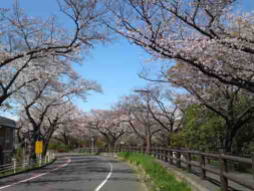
[106, 179]
[36, 176]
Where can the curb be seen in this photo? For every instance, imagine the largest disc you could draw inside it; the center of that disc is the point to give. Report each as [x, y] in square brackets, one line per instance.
[28, 170]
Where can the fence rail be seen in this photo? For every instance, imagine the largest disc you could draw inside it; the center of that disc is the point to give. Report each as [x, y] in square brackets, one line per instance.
[15, 166]
[189, 159]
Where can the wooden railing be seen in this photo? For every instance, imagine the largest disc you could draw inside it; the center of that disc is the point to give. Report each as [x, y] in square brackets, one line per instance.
[200, 160]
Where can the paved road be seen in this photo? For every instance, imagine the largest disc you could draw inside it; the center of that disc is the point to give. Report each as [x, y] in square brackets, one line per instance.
[76, 173]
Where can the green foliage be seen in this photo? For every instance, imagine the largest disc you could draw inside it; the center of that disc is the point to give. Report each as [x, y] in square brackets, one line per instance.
[202, 130]
[162, 179]
[60, 147]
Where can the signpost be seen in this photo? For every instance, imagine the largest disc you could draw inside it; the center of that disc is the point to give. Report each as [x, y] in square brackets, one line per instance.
[38, 149]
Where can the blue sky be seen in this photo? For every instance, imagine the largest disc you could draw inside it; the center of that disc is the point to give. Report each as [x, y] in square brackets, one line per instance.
[248, 5]
[114, 66]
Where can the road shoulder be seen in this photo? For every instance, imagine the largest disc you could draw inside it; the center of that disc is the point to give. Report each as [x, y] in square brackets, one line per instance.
[125, 176]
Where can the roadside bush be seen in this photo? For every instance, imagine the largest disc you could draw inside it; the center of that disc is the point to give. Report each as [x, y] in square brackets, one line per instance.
[59, 147]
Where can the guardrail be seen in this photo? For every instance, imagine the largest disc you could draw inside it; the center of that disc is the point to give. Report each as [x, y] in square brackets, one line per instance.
[194, 159]
[15, 167]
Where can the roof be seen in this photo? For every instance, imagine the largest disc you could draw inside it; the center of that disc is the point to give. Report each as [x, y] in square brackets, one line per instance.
[7, 122]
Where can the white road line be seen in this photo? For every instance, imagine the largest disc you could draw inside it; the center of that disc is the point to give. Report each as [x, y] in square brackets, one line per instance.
[106, 179]
[36, 176]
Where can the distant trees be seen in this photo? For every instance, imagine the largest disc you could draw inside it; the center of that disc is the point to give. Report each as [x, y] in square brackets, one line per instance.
[139, 118]
[72, 132]
[161, 104]
[110, 124]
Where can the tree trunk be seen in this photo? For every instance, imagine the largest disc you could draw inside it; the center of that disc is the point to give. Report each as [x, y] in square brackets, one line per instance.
[148, 144]
[45, 148]
[46, 141]
[112, 144]
[227, 147]
[65, 139]
[35, 137]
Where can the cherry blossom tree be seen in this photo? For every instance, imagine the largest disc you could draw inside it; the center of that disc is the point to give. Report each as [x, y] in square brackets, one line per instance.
[161, 103]
[110, 124]
[44, 100]
[73, 130]
[54, 119]
[231, 103]
[208, 35]
[25, 41]
[139, 118]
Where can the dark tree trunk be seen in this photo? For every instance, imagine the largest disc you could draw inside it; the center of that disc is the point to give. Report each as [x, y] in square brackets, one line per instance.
[148, 143]
[45, 147]
[227, 146]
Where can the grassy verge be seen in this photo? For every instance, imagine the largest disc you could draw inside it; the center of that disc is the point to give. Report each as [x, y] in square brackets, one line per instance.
[162, 180]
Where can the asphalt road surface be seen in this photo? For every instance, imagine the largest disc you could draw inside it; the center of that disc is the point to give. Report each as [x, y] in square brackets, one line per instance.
[77, 173]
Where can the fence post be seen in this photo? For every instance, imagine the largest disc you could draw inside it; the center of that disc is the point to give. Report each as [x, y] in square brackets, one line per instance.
[40, 160]
[252, 157]
[178, 157]
[189, 162]
[154, 152]
[14, 165]
[162, 154]
[159, 153]
[28, 161]
[202, 166]
[223, 169]
[166, 155]
[170, 157]
[24, 161]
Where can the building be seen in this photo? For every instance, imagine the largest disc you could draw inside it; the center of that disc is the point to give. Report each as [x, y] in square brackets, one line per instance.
[7, 134]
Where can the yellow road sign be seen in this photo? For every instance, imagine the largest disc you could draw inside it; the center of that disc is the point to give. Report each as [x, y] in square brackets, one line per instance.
[38, 147]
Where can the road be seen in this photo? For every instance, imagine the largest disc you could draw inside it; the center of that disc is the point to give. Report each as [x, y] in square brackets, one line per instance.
[77, 173]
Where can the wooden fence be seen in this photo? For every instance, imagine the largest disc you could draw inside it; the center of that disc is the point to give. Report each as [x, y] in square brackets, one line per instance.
[190, 159]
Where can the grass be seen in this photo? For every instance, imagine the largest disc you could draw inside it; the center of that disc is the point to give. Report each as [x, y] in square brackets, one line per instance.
[161, 178]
